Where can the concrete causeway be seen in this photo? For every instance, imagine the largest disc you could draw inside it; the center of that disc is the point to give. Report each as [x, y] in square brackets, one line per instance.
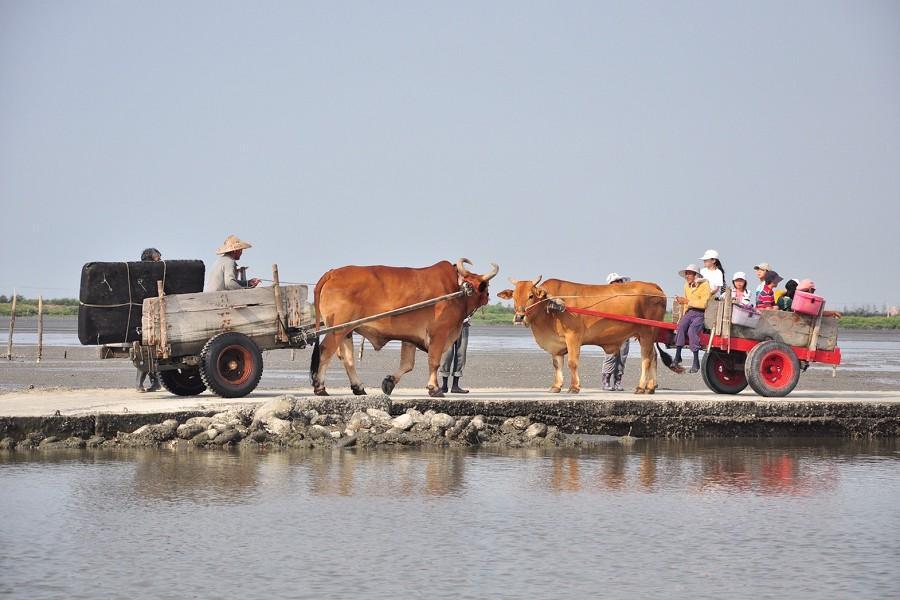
[665, 414]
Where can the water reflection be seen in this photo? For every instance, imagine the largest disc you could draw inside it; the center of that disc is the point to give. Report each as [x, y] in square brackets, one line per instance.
[647, 466]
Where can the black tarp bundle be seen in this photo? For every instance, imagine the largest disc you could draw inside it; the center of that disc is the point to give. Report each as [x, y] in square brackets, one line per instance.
[112, 294]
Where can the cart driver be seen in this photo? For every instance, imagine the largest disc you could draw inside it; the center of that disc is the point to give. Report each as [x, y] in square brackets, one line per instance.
[224, 274]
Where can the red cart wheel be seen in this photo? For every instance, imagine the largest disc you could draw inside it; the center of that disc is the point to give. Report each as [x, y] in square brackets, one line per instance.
[772, 369]
[723, 373]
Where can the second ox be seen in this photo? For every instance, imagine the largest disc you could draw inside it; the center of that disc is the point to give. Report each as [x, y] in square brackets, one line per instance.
[563, 333]
[350, 293]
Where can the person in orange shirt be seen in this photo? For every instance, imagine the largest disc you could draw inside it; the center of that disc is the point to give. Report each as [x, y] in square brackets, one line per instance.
[696, 295]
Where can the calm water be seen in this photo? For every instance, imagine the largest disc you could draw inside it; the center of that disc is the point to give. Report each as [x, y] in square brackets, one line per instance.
[657, 518]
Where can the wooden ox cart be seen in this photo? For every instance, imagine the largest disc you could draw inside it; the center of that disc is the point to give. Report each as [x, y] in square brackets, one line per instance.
[768, 357]
[215, 340]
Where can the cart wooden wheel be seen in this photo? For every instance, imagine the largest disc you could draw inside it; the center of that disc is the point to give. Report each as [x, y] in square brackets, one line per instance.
[723, 373]
[231, 364]
[772, 369]
[183, 382]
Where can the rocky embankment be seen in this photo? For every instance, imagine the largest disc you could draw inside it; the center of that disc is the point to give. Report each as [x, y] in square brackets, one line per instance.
[289, 422]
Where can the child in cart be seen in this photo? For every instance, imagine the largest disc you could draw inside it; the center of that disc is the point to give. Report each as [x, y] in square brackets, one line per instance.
[739, 293]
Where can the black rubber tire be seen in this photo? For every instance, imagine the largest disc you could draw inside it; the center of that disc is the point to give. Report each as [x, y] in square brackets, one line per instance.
[723, 373]
[183, 382]
[231, 365]
[772, 369]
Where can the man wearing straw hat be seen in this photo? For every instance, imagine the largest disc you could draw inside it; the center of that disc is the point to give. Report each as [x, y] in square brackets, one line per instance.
[224, 274]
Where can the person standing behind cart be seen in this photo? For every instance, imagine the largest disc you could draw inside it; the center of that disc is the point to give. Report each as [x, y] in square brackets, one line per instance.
[224, 274]
[696, 297]
[151, 255]
[713, 272]
[454, 361]
[614, 364]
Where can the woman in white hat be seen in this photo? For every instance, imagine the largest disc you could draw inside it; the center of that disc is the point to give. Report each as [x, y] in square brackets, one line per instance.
[224, 274]
[614, 364]
[713, 272]
[739, 293]
[696, 296]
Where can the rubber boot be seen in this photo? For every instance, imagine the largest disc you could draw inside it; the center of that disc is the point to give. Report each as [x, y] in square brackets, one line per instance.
[695, 367]
[139, 382]
[456, 389]
[444, 385]
[607, 384]
[617, 386]
[155, 385]
[677, 362]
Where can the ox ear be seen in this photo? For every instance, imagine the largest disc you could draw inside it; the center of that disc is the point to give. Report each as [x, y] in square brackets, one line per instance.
[505, 294]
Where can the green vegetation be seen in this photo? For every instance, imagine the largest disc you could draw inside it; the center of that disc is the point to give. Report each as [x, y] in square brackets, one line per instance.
[28, 307]
[494, 314]
[854, 322]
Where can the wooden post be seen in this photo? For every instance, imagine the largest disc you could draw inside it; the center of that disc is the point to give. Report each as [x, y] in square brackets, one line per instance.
[814, 336]
[163, 332]
[726, 317]
[12, 327]
[40, 349]
[280, 331]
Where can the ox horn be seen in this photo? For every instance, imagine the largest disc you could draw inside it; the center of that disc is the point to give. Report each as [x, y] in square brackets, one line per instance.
[537, 281]
[493, 273]
[461, 269]
[513, 281]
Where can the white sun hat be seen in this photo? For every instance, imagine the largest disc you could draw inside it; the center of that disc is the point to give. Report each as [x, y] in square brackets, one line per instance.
[690, 267]
[615, 277]
[739, 275]
[710, 254]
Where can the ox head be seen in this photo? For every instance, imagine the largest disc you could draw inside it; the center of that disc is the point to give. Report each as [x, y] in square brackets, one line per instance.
[478, 284]
[525, 295]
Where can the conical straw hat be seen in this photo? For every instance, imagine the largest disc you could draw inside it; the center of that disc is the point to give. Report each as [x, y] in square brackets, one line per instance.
[232, 243]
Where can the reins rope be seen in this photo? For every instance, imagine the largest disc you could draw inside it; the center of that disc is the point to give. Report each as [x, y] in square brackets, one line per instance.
[604, 298]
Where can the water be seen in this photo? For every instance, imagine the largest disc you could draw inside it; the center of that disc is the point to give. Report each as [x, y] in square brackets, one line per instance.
[657, 518]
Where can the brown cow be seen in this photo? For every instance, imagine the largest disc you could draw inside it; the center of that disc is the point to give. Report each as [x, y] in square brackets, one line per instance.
[350, 293]
[561, 333]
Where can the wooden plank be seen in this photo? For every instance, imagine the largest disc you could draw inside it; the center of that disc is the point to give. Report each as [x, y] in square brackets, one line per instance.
[163, 321]
[194, 318]
[794, 329]
[279, 307]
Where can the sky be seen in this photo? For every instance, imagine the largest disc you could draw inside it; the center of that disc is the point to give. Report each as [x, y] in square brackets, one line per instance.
[567, 139]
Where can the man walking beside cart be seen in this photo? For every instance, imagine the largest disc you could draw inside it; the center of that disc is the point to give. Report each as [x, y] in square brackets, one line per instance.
[614, 364]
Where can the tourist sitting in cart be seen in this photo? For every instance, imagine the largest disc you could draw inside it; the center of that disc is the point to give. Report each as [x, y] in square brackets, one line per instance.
[739, 293]
[761, 269]
[224, 274]
[766, 298]
[713, 272]
[696, 297]
[784, 302]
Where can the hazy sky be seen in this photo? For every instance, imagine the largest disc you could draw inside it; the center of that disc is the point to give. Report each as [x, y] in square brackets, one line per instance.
[566, 139]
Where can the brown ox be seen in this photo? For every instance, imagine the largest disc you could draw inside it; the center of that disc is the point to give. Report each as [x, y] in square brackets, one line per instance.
[350, 293]
[561, 333]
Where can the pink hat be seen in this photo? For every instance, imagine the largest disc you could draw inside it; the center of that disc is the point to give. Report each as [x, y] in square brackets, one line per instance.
[805, 285]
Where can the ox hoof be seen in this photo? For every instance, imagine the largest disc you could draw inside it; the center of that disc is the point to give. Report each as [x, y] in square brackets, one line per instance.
[650, 391]
[387, 386]
[320, 391]
[555, 390]
[639, 390]
[358, 390]
[574, 390]
[435, 392]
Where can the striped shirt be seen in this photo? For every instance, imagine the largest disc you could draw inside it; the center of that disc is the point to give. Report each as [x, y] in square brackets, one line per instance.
[766, 298]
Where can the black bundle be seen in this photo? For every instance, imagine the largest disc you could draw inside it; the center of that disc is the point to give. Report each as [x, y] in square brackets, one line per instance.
[112, 294]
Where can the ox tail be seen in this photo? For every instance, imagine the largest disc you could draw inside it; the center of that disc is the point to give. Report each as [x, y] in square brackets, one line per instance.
[667, 359]
[314, 362]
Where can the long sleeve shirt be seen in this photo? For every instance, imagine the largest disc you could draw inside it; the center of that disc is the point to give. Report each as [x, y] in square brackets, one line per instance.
[223, 276]
[697, 295]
